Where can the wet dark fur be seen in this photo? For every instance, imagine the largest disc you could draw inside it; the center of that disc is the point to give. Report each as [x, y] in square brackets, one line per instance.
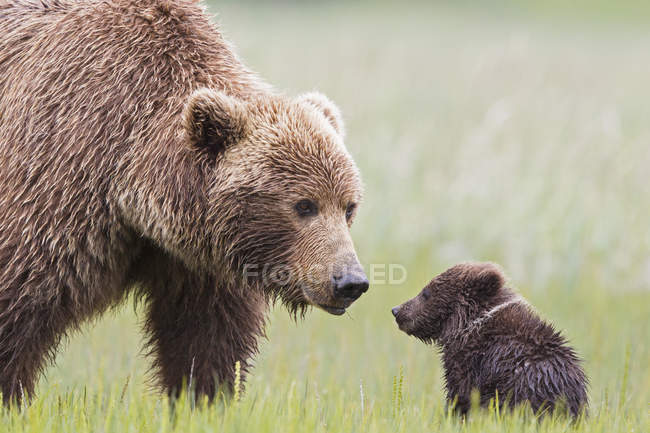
[512, 352]
[138, 153]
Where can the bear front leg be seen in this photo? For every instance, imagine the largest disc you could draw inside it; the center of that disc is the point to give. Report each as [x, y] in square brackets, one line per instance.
[31, 327]
[198, 331]
[459, 390]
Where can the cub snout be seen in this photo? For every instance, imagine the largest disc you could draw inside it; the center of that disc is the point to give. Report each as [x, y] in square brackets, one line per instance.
[404, 317]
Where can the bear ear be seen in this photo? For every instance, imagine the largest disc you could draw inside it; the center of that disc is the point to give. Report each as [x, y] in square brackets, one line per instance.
[327, 108]
[213, 120]
[487, 279]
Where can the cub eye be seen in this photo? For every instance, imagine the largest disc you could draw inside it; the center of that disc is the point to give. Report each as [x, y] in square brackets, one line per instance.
[425, 294]
[349, 211]
[306, 208]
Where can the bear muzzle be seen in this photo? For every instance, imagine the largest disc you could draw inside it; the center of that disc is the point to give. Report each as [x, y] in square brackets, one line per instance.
[345, 288]
[402, 318]
[350, 286]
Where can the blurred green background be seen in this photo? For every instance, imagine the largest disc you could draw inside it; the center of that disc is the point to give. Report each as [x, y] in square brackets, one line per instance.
[504, 131]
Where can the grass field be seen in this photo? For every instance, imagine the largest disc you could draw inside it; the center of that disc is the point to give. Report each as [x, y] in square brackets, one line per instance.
[480, 134]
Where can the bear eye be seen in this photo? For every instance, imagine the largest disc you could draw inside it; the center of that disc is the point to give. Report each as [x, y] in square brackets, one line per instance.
[425, 294]
[306, 208]
[349, 211]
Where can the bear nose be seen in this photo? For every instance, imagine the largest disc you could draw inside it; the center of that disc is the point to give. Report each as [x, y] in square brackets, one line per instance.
[350, 286]
[395, 310]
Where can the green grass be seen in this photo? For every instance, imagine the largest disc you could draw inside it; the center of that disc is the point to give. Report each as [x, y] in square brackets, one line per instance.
[480, 136]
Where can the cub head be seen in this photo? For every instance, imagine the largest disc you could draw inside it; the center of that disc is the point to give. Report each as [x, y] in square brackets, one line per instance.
[283, 192]
[459, 294]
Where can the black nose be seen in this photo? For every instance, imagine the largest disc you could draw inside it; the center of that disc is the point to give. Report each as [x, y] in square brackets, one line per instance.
[395, 310]
[350, 286]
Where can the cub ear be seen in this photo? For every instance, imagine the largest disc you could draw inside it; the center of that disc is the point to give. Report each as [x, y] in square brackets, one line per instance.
[487, 279]
[213, 120]
[327, 108]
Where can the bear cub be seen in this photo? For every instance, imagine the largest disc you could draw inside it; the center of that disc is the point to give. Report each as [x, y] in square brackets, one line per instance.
[492, 341]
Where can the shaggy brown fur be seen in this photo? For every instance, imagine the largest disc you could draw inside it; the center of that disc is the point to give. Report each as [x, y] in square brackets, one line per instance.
[136, 151]
[492, 341]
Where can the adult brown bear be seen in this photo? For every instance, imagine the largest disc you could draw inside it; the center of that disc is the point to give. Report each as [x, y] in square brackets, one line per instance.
[138, 153]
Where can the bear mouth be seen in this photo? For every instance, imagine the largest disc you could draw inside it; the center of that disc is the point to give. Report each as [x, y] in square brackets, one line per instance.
[404, 325]
[336, 311]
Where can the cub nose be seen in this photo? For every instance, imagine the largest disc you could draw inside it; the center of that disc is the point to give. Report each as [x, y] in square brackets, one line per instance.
[350, 286]
[395, 310]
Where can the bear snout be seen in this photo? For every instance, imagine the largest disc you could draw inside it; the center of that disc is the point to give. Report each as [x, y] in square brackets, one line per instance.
[404, 318]
[399, 312]
[350, 286]
[345, 288]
